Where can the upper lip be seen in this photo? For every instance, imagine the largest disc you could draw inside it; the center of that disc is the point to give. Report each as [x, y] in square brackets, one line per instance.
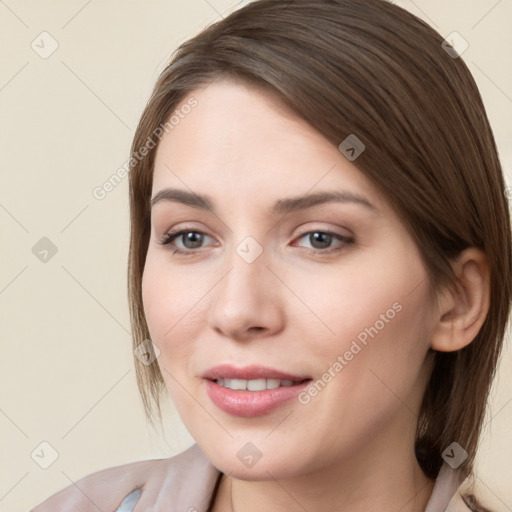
[227, 371]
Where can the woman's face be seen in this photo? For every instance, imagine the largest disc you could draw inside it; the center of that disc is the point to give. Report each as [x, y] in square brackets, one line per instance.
[334, 291]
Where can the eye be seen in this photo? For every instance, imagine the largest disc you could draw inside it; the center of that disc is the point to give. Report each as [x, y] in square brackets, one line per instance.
[321, 241]
[191, 241]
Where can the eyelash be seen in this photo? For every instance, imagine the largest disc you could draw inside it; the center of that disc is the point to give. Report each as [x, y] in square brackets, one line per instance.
[169, 238]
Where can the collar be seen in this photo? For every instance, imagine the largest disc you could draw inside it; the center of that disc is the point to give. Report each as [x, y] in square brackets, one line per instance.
[445, 495]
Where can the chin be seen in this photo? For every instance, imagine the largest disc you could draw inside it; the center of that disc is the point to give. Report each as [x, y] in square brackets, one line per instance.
[244, 460]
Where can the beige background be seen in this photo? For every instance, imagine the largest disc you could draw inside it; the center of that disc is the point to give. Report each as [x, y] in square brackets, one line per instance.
[66, 124]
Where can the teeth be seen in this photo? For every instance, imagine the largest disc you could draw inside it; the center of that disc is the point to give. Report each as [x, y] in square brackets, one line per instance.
[254, 384]
[238, 384]
[271, 383]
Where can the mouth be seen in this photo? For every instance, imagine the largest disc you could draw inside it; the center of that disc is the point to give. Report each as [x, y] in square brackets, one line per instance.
[252, 378]
[252, 390]
[257, 384]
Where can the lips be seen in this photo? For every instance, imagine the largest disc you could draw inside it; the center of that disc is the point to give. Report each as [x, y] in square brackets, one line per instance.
[251, 401]
[248, 404]
[227, 371]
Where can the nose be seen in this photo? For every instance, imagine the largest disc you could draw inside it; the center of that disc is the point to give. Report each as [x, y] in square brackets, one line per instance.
[247, 300]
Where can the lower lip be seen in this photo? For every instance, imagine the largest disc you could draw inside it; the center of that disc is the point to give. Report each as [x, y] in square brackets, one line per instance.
[251, 403]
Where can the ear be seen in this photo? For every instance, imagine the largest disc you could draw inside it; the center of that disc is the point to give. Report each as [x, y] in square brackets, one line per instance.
[462, 310]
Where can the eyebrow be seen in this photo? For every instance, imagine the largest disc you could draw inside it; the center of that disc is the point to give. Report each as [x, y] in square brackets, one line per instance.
[282, 206]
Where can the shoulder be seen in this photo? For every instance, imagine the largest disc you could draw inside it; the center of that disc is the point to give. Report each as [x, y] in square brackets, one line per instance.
[188, 476]
[466, 502]
[458, 503]
[470, 497]
[103, 487]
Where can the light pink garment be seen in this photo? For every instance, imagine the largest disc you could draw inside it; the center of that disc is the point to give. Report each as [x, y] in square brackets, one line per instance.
[192, 479]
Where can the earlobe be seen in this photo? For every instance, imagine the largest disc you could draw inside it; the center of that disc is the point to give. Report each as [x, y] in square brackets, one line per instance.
[463, 309]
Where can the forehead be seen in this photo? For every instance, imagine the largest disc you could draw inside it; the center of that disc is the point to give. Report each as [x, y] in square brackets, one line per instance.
[242, 140]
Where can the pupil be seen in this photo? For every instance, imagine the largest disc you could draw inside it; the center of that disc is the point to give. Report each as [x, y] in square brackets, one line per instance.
[319, 236]
[194, 238]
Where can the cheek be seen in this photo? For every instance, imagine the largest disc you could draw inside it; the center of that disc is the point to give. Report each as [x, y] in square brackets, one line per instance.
[163, 308]
[373, 365]
[373, 325]
[363, 301]
[382, 336]
[174, 309]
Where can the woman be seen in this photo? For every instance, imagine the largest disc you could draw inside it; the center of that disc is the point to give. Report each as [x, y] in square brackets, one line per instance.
[320, 267]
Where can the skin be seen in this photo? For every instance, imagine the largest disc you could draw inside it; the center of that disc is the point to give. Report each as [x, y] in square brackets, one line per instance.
[293, 308]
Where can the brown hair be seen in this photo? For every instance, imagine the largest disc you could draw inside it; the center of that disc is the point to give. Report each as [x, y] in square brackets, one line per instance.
[369, 68]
